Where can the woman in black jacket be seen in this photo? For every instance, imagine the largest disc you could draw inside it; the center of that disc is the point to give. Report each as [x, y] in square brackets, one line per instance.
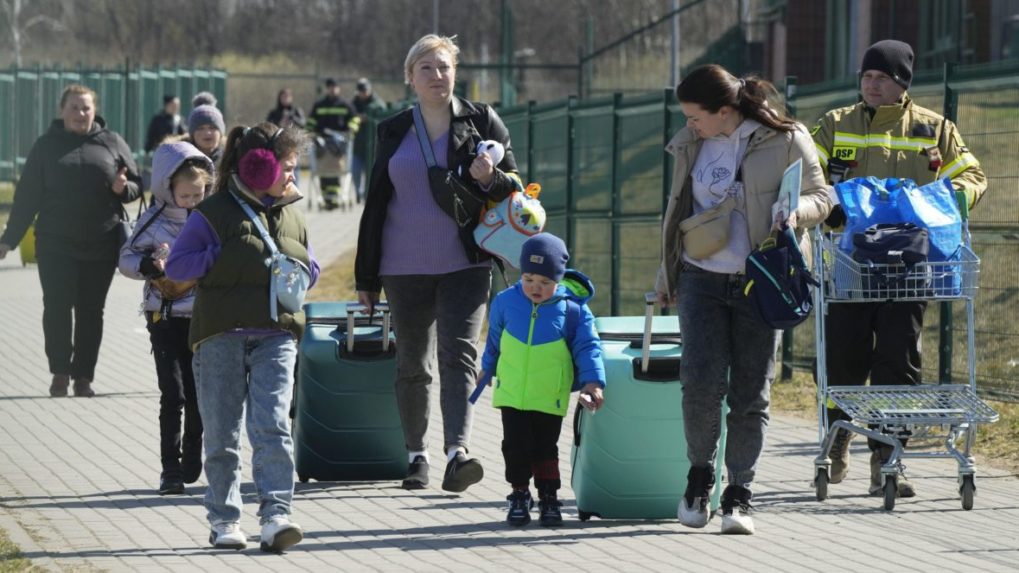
[435, 278]
[77, 177]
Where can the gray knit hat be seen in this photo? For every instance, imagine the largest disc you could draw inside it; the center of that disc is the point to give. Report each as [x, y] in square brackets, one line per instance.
[206, 115]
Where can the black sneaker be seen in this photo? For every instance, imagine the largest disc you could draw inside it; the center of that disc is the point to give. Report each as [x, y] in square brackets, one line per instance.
[417, 474]
[736, 511]
[170, 485]
[461, 473]
[693, 506]
[520, 504]
[550, 514]
[58, 388]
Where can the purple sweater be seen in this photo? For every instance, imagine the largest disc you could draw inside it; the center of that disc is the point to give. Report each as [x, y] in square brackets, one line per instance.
[418, 238]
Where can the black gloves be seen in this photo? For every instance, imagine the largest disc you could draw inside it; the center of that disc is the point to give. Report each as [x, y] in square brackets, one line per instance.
[837, 218]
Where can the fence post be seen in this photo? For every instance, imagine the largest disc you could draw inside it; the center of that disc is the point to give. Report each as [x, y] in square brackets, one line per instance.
[617, 98]
[571, 165]
[950, 111]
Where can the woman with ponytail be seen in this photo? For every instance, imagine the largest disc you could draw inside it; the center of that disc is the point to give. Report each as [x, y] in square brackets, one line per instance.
[729, 162]
[244, 353]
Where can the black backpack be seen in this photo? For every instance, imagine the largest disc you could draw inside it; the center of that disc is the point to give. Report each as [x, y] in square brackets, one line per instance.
[778, 281]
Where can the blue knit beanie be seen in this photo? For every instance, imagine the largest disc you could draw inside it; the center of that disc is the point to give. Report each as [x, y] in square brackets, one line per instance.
[544, 254]
[206, 115]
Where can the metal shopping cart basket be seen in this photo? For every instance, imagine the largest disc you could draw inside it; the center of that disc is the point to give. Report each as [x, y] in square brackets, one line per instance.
[951, 412]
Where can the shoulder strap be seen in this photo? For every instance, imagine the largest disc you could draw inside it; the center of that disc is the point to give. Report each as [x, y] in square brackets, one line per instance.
[258, 223]
[147, 224]
[572, 321]
[426, 145]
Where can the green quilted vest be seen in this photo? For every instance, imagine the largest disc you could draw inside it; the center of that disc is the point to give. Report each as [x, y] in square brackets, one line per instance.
[235, 292]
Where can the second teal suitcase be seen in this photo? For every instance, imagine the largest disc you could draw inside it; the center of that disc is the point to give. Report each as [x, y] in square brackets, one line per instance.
[346, 424]
[629, 459]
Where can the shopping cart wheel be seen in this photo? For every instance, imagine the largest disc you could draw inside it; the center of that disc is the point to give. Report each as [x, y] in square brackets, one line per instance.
[583, 515]
[966, 490]
[821, 484]
[891, 489]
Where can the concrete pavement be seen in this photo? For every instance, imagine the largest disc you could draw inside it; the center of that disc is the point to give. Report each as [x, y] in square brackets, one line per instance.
[77, 481]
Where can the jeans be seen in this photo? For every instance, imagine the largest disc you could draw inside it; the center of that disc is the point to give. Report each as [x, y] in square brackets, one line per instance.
[356, 172]
[77, 289]
[250, 377]
[728, 352]
[437, 316]
[172, 353]
[530, 446]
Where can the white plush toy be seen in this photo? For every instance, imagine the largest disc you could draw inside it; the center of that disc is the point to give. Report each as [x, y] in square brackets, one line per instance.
[493, 149]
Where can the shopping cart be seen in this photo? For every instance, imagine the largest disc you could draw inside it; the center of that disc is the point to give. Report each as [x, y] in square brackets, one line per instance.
[884, 413]
[330, 158]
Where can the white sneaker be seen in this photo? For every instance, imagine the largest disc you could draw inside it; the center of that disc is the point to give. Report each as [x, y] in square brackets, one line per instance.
[695, 514]
[736, 518]
[280, 534]
[228, 535]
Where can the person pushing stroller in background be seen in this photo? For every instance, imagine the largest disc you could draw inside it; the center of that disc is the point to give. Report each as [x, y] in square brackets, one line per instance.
[541, 346]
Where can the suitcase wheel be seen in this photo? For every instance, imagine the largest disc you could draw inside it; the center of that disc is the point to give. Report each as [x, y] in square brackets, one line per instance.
[302, 478]
[583, 515]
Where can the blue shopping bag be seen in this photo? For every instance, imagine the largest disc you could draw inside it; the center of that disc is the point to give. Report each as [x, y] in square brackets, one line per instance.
[867, 201]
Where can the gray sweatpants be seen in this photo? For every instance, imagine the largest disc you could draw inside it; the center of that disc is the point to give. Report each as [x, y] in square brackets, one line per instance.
[437, 316]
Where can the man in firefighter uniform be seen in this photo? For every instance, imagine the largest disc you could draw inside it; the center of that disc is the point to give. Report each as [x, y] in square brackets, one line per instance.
[335, 122]
[885, 135]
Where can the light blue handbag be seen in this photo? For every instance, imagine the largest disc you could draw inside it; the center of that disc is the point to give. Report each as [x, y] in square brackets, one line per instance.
[289, 278]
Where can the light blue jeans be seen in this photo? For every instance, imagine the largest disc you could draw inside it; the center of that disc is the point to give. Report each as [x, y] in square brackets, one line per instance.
[246, 378]
[728, 352]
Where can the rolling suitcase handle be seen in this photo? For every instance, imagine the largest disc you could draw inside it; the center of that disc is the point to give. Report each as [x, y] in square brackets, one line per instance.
[383, 308]
[645, 348]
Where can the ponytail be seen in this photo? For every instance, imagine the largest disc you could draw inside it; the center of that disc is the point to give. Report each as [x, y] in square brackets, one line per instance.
[712, 87]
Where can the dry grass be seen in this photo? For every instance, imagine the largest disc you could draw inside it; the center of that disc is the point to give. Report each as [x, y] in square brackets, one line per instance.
[336, 281]
[997, 444]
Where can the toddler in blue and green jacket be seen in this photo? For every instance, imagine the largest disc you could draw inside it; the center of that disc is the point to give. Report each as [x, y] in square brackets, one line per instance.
[541, 346]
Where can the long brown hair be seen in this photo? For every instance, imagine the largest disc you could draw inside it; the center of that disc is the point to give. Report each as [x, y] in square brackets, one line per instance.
[711, 86]
[282, 142]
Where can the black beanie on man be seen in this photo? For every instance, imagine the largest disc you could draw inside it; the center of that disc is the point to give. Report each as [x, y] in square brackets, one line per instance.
[892, 57]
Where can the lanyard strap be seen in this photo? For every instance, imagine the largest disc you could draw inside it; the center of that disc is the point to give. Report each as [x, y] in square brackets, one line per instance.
[426, 145]
[258, 223]
[271, 263]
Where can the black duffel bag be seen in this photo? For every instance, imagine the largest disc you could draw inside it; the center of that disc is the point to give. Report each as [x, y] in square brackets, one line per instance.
[888, 255]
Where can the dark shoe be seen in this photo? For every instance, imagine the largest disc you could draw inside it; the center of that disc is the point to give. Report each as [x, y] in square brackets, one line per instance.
[417, 474]
[520, 504]
[550, 514]
[83, 388]
[693, 506]
[170, 486]
[191, 463]
[736, 511]
[462, 473]
[58, 387]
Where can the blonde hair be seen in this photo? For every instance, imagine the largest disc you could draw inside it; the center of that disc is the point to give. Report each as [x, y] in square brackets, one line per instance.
[192, 171]
[77, 89]
[426, 45]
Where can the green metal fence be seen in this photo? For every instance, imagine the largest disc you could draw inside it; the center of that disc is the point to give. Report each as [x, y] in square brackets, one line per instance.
[128, 98]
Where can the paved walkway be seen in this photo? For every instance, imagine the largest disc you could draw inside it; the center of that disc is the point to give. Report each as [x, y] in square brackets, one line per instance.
[77, 479]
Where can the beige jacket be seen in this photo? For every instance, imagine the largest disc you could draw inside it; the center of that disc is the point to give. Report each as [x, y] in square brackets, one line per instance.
[768, 153]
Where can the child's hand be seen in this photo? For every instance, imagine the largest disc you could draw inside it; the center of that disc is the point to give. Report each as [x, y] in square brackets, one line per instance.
[591, 396]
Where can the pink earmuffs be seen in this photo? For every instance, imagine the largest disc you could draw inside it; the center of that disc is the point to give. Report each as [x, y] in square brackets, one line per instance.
[259, 168]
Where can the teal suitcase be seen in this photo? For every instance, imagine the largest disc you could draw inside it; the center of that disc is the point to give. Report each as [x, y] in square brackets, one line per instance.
[629, 459]
[346, 424]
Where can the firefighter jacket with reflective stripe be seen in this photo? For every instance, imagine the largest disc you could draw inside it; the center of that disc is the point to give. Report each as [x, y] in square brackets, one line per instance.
[333, 113]
[902, 140]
